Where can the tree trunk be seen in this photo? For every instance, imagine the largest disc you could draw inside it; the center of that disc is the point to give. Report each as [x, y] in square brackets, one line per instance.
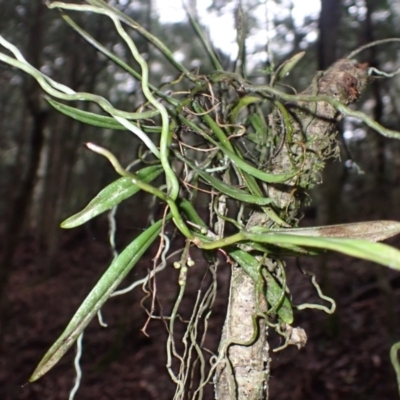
[21, 201]
[244, 372]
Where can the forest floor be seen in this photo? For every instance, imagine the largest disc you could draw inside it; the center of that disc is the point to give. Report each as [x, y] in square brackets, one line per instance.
[346, 357]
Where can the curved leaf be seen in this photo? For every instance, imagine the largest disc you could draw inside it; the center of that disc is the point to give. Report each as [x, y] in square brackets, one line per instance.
[115, 273]
[226, 146]
[90, 118]
[206, 43]
[376, 252]
[243, 102]
[287, 66]
[273, 290]
[191, 213]
[86, 117]
[224, 188]
[110, 196]
[265, 177]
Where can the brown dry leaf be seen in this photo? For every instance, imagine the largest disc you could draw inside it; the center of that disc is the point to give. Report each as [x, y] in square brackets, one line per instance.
[373, 231]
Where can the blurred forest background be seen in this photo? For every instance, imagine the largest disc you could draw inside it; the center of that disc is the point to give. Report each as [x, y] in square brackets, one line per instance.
[46, 175]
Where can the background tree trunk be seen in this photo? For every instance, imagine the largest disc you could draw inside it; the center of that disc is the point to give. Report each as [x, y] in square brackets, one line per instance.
[23, 193]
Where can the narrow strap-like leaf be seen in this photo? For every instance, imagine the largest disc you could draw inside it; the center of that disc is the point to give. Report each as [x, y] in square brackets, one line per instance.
[90, 118]
[273, 289]
[231, 191]
[115, 273]
[110, 196]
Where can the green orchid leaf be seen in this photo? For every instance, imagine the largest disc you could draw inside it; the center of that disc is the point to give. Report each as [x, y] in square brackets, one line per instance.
[110, 196]
[376, 252]
[110, 280]
[226, 146]
[268, 178]
[242, 103]
[273, 290]
[205, 42]
[191, 213]
[85, 116]
[260, 126]
[283, 250]
[98, 120]
[288, 65]
[224, 188]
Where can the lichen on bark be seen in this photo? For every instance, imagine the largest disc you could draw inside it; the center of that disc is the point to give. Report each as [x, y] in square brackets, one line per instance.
[310, 130]
[313, 138]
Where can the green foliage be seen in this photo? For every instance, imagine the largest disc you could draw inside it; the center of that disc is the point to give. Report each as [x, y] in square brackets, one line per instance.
[107, 284]
[111, 196]
[214, 133]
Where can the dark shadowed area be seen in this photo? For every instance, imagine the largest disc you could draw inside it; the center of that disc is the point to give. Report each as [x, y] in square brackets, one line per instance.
[46, 175]
[347, 354]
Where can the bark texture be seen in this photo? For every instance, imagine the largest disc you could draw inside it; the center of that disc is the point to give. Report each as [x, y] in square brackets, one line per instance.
[314, 136]
[243, 373]
[311, 142]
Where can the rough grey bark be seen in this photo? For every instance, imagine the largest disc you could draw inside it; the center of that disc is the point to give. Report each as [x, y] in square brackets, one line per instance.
[313, 142]
[243, 373]
[314, 136]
